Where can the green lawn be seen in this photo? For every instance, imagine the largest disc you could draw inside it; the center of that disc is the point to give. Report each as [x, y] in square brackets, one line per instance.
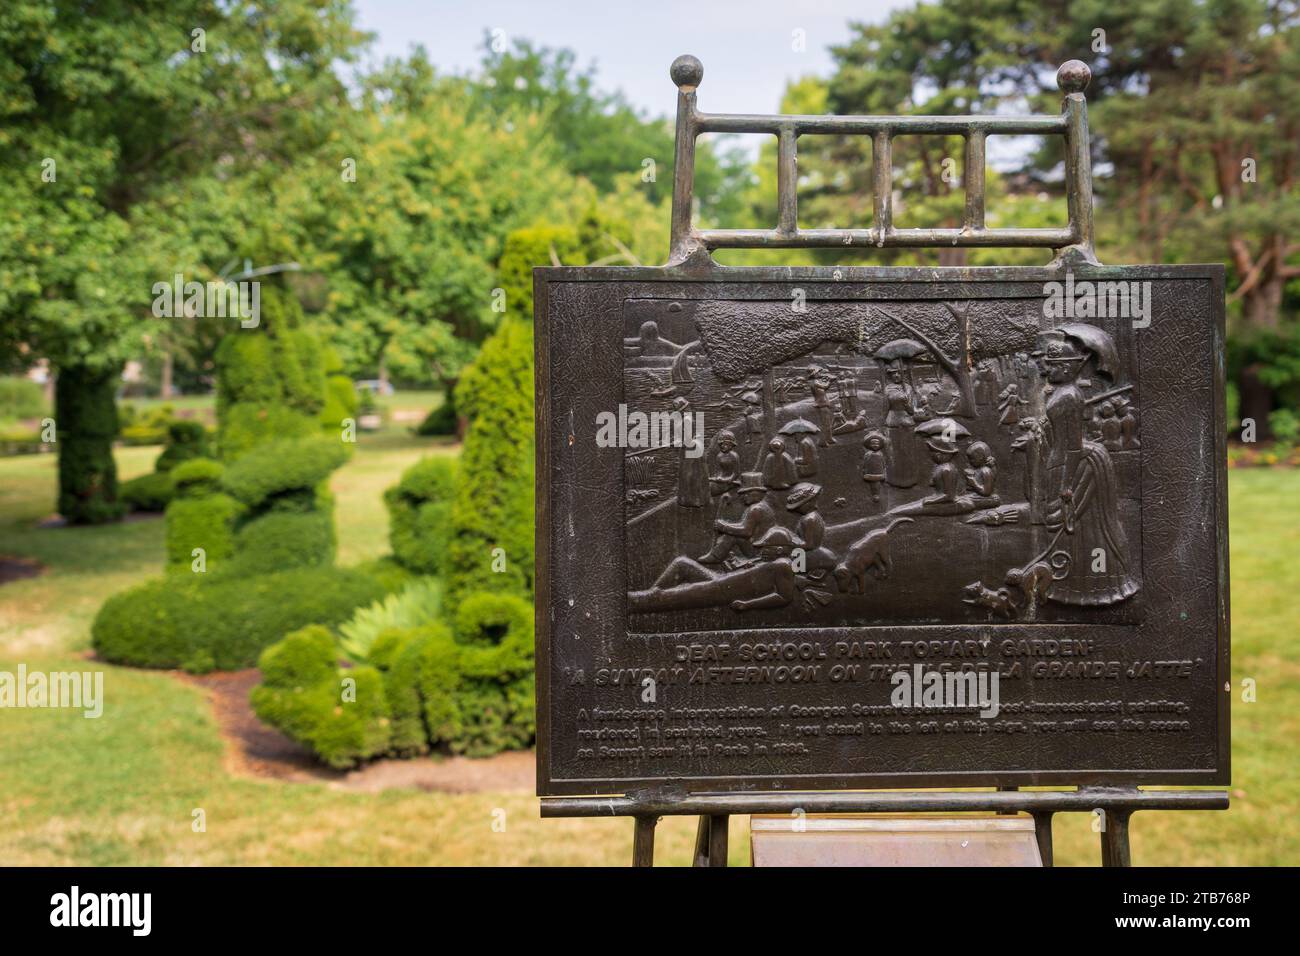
[122, 789]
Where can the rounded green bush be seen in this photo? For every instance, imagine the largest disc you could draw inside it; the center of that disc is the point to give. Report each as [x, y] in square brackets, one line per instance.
[167, 621]
[342, 729]
[304, 695]
[279, 540]
[442, 420]
[303, 658]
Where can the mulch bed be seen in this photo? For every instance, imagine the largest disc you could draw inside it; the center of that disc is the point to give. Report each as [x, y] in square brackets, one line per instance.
[16, 569]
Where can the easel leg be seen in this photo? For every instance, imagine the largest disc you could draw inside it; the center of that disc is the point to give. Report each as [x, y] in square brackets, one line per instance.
[718, 840]
[1114, 839]
[1043, 833]
[711, 840]
[702, 831]
[643, 841]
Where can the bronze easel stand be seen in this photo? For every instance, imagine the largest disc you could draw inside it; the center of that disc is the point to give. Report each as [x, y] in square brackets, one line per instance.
[1117, 804]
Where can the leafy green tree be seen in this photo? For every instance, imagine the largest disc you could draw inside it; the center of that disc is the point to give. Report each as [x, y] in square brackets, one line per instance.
[102, 118]
[601, 137]
[411, 206]
[1196, 135]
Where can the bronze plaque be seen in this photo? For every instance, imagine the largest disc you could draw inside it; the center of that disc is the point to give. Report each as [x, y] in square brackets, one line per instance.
[763, 493]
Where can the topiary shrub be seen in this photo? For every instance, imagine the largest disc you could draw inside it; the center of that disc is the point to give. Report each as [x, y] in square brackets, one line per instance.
[390, 655]
[526, 248]
[283, 469]
[151, 492]
[175, 620]
[420, 514]
[87, 424]
[196, 477]
[494, 494]
[443, 420]
[496, 695]
[468, 693]
[341, 715]
[340, 400]
[437, 679]
[185, 440]
[270, 379]
[199, 516]
[279, 540]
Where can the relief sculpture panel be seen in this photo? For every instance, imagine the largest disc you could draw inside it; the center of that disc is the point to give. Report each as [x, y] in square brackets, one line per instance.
[913, 461]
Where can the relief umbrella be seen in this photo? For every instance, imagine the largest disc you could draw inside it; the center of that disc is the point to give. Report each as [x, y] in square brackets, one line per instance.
[1097, 341]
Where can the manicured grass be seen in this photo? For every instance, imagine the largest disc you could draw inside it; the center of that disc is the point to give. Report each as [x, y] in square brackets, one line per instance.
[123, 789]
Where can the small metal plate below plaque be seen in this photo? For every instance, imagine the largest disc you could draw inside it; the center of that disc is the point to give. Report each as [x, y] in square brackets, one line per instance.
[893, 841]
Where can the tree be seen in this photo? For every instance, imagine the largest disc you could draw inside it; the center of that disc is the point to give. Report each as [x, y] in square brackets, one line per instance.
[1196, 132]
[105, 118]
[408, 213]
[600, 136]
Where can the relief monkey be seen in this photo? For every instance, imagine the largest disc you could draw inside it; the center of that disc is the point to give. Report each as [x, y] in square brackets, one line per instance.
[1033, 582]
[868, 553]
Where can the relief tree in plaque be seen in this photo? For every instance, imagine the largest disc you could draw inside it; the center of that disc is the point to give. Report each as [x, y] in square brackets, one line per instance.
[991, 473]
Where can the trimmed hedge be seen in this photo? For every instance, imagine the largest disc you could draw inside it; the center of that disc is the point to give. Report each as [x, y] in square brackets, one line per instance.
[196, 477]
[87, 424]
[419, 514]
[280, 540]
[496, 695]
[282, 468]
[151, 492]
[270, 380]
[494, 496]
[340, 394]
[306, 695]
[203, 621]
[443, 420]
[471, 693]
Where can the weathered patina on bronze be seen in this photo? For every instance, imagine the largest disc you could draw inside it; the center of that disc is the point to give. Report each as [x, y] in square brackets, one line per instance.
[763, 492]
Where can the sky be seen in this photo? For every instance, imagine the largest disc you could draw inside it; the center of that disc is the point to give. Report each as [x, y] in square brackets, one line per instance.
[747, 46]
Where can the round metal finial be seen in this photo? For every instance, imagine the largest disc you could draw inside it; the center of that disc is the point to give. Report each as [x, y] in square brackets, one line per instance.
[1073, 76]
[686, 71]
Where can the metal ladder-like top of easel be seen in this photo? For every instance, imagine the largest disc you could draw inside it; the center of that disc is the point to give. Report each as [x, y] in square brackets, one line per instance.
[691, 247]
[1073, 243]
